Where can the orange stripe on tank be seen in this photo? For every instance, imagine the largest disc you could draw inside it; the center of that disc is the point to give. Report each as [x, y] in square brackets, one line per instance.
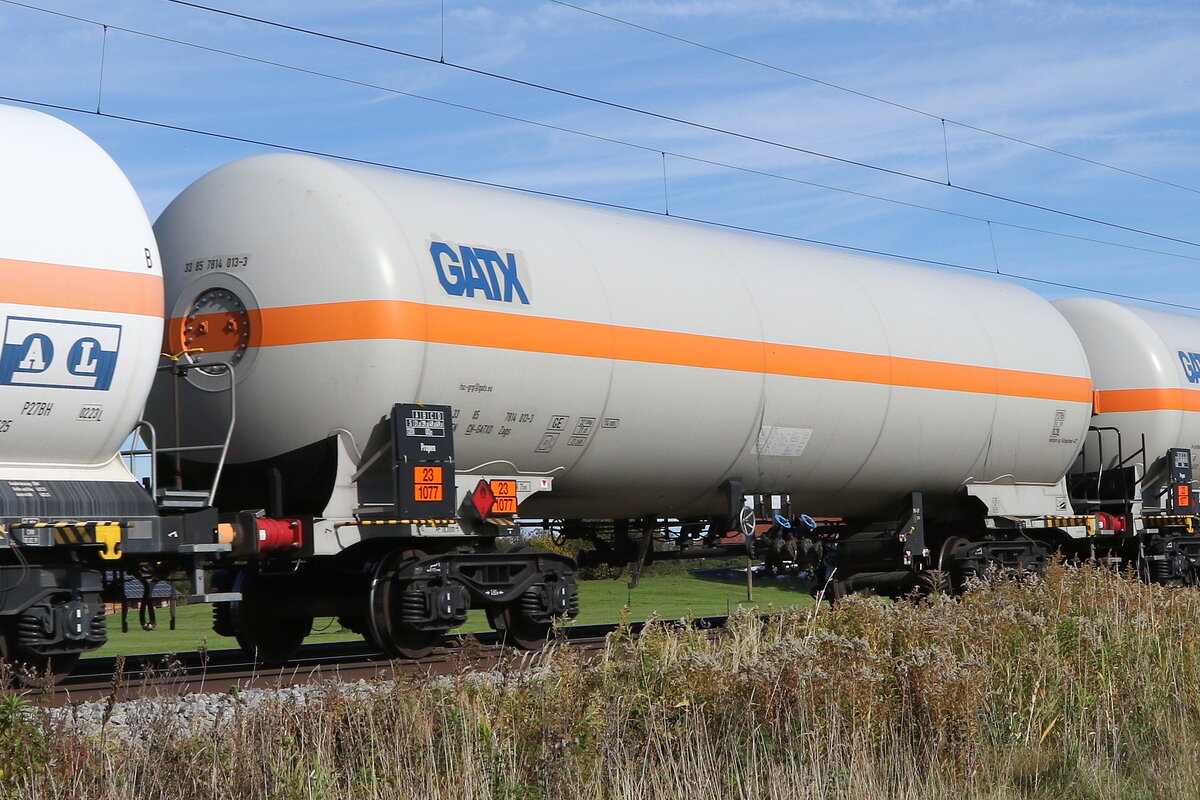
[33, 283]
[1113, 401]
[397, 319]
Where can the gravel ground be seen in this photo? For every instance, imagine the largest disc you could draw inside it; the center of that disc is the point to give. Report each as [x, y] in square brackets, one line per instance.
[198, 713]
[184, 715]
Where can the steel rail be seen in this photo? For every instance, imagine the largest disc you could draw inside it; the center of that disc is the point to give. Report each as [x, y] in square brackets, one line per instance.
[219, 671]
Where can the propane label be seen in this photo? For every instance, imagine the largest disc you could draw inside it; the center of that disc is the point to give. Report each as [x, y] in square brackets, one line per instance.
[777, 440]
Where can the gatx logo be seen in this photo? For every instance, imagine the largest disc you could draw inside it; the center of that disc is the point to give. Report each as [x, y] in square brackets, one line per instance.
[59, 354]
[464, 270]
[1191, 366]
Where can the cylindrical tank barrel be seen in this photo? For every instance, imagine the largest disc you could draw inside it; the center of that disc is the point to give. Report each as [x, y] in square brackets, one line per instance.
[641, 361]
[1145, 366]
[81, 309]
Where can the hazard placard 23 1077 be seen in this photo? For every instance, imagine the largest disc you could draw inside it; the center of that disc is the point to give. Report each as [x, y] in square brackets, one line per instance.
[506, 497]
[427, 483]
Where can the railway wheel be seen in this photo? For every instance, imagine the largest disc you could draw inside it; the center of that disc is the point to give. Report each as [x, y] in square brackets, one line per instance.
[516, 628]
[841, 589]
[260, 620]
[953, 579]
[26, 670]
[391, 601]
[12, 671]
[514, 621]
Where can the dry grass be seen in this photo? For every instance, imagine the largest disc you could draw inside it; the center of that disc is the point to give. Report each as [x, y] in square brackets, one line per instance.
[1084, 684]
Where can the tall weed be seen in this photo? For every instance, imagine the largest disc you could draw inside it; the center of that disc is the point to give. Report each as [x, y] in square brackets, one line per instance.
[1081, 684]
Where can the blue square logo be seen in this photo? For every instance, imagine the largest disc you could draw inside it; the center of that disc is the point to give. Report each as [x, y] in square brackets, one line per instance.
[59, 354]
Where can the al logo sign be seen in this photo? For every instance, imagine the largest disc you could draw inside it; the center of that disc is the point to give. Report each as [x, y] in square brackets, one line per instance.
[58, 353]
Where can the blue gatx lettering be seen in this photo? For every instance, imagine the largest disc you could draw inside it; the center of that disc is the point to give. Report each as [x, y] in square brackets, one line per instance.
[466, 270]
[1191, 366]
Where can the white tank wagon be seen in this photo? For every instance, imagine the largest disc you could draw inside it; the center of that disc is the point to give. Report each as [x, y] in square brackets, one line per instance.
[81, 313]
[81, 300]
[1144, 444]
[1145, 368]
[611, 365]
[638, 362]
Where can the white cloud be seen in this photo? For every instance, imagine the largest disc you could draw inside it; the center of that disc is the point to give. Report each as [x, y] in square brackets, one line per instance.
[887, 11]
[1111, 81]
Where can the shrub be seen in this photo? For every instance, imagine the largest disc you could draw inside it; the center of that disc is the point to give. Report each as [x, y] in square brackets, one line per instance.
[1081, 684]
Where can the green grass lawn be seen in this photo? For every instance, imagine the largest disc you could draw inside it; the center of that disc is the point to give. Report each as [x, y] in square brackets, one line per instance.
[670, 596]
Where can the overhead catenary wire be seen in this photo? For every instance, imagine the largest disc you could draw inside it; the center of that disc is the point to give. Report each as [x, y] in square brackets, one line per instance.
[103, 52]
[587, 134]
[872, 97]
[679, 120]
[598, 203]
[699, 160]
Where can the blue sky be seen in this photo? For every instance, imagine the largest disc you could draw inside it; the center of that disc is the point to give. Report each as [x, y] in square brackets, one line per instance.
[1112, 82]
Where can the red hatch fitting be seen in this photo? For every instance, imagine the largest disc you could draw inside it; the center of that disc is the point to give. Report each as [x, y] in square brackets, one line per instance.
[275, 535]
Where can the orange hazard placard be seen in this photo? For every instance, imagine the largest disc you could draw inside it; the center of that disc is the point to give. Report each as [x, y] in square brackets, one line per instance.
[427, 483]
[427, 474]
[506, 497]
[427, 491]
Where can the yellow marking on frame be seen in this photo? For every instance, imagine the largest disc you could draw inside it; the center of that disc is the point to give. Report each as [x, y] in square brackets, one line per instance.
[110, 537]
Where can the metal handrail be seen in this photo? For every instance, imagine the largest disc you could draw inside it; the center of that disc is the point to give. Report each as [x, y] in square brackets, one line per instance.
[1122, 462]
[143, 424]
[179, 369]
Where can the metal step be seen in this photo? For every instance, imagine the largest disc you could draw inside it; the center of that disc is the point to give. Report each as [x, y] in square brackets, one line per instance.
[215, 597]
[215, 547]
[179, 498]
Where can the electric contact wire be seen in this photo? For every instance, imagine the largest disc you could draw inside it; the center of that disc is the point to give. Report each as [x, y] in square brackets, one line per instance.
[585, 134]
[678, 120]
[559, 196]
[872, 97]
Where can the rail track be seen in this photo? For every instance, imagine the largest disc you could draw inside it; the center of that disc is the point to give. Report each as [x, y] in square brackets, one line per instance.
[174, 674]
